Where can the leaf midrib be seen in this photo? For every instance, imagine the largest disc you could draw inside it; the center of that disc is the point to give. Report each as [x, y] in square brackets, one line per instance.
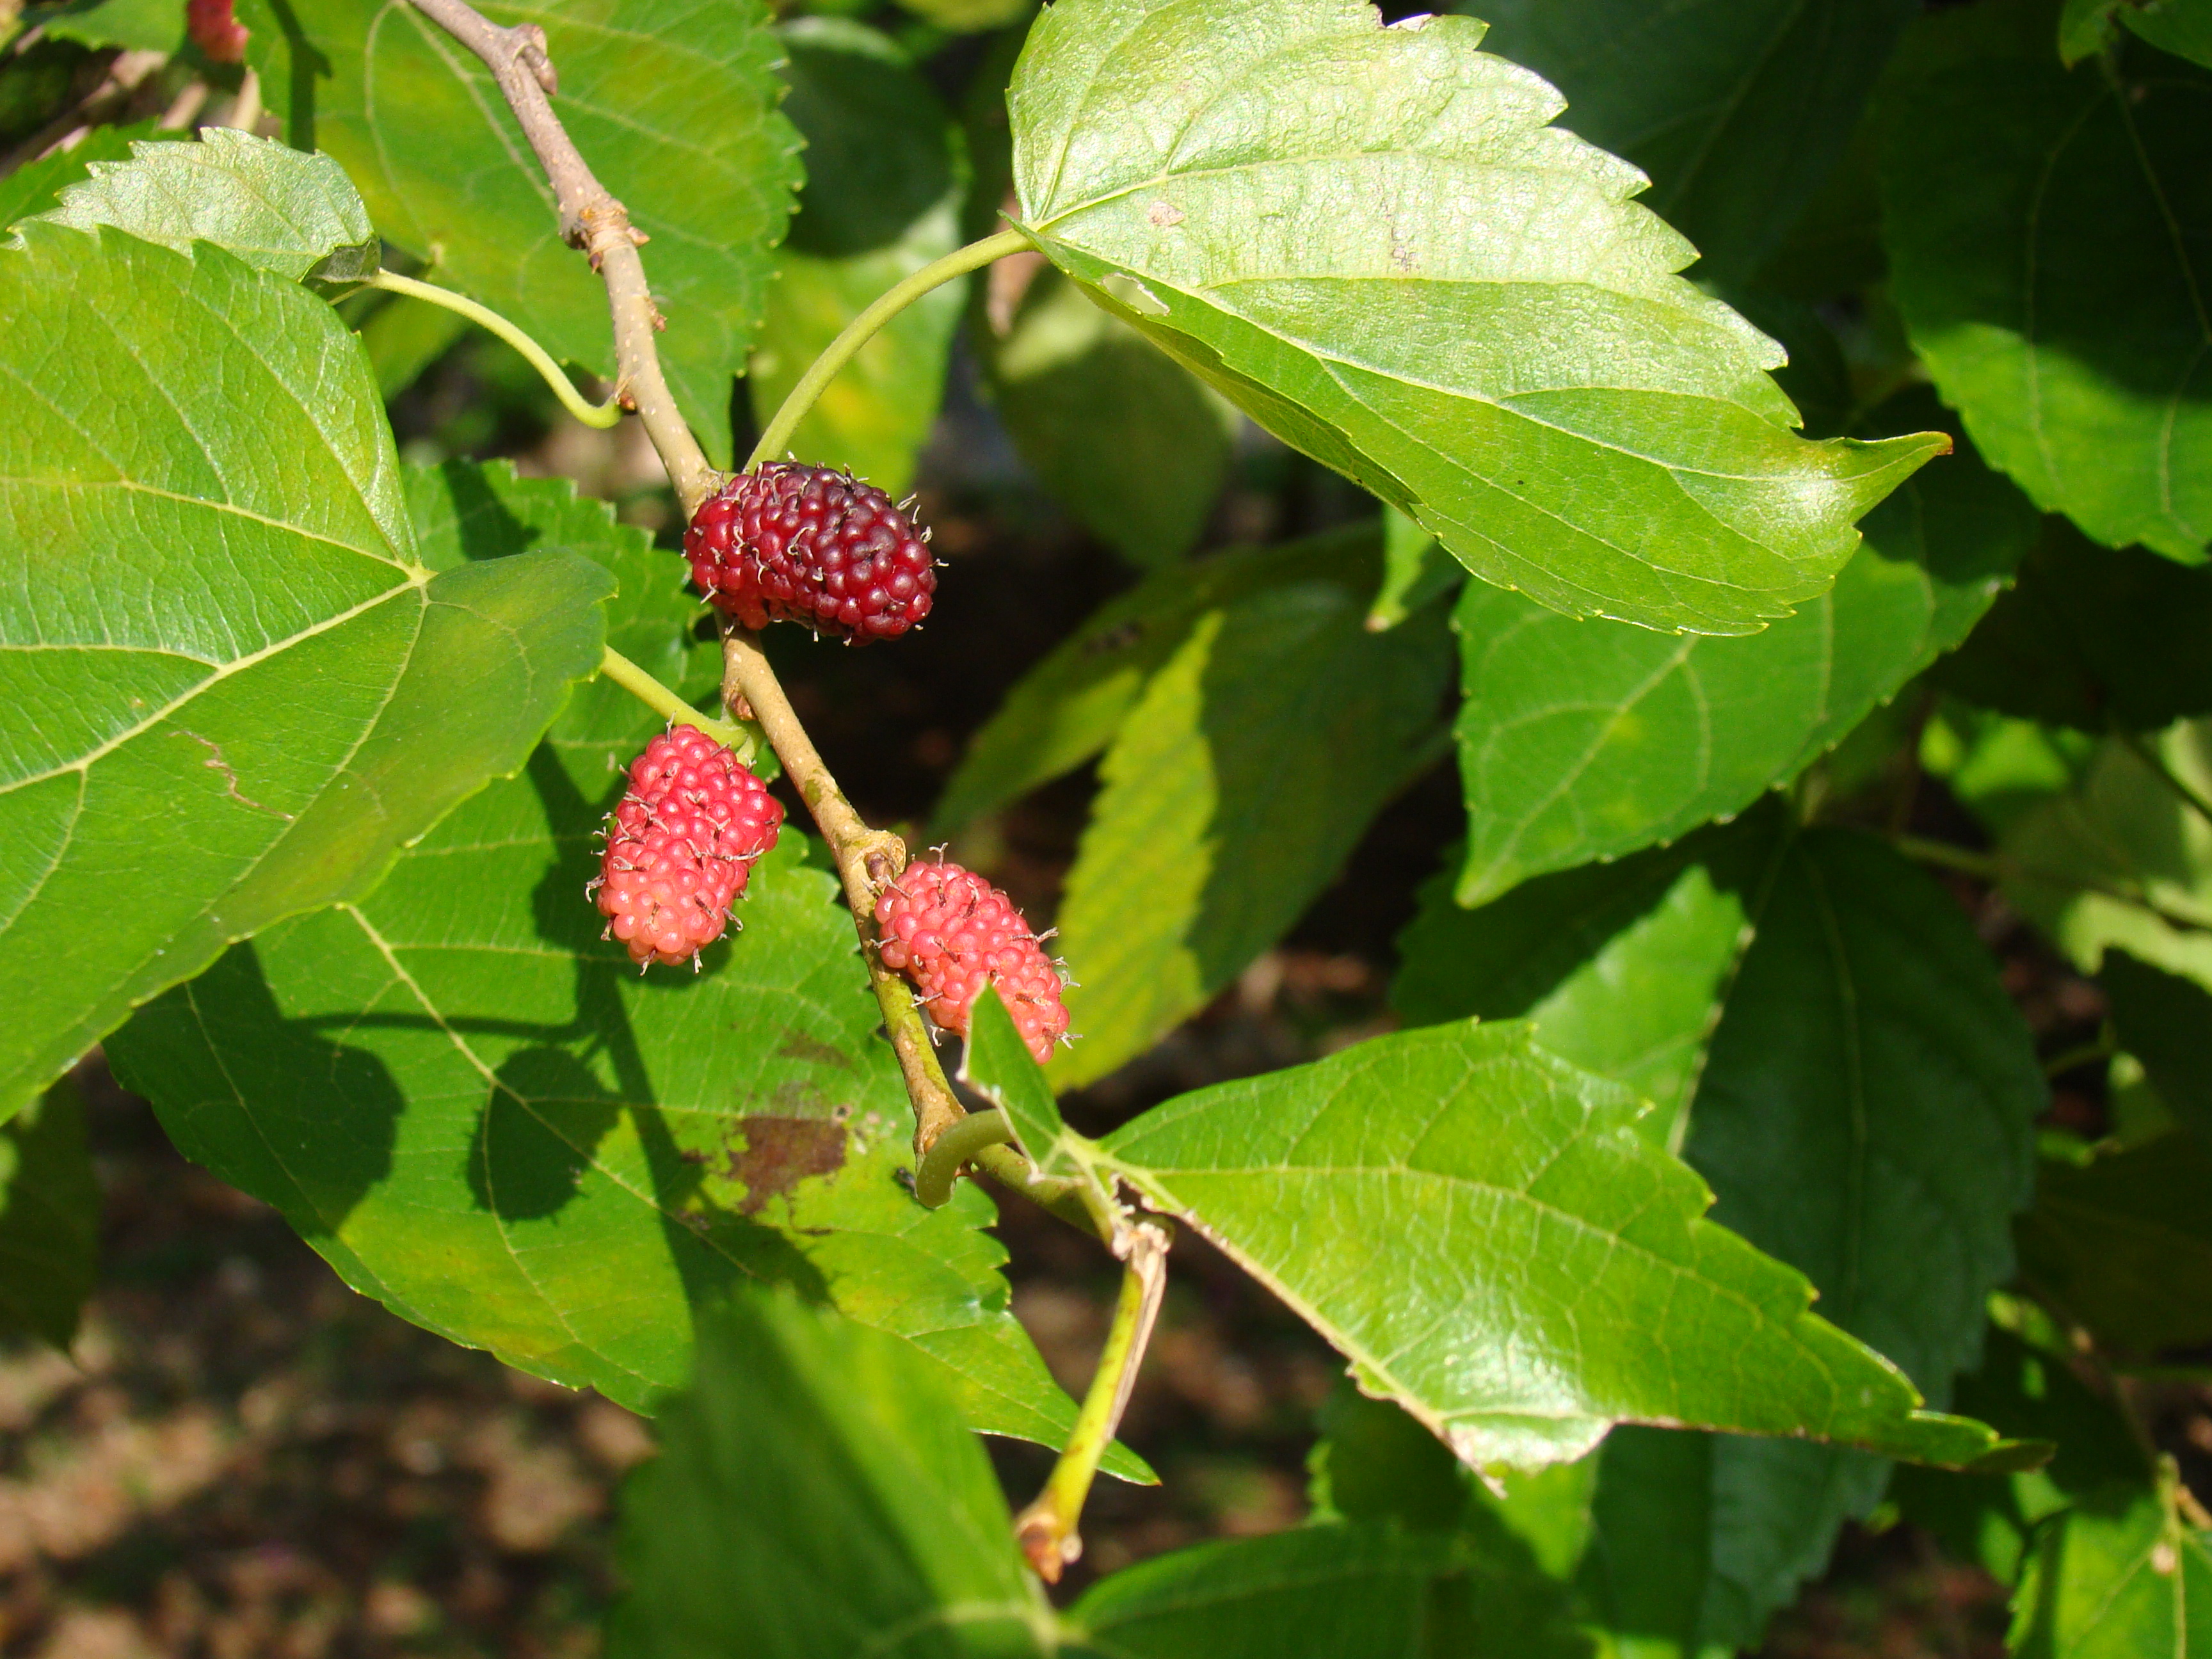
[1673, 470]
[1116, 1158]
[85, 763]
[1286, 162]
[413, 573]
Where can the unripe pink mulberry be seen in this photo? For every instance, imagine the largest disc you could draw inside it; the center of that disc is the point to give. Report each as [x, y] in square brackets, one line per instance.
[950, 932]
[681, 846]
[216, 30]
[800, 543]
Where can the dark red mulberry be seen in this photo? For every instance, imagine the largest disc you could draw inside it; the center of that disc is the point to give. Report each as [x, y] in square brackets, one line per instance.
[681, 846]
[800, 543]
[950, 932]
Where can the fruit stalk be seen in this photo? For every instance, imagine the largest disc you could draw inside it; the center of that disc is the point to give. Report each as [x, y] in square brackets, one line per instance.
[613, 665]
[1047, 1528]
[868, 860]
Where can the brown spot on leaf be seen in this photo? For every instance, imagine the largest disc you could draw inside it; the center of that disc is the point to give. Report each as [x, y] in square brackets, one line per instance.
[797, 1045]
[796, 1097]
[780, 1152]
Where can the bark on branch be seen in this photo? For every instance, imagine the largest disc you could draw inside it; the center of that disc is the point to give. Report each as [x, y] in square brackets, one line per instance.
[591, 220]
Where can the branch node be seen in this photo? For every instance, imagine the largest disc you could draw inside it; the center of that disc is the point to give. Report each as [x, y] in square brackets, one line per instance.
[530, 51]
[884, 862]
[1050, 1552]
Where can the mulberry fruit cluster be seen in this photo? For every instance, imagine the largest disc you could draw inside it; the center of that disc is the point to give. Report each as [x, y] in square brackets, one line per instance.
[681, 846]
[951, 933]
[793, 543]
[216, 30]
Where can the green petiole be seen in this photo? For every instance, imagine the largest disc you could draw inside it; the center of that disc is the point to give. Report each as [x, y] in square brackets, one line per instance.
[653, 695]
[963, 1140]
[601, 416]
[862, 329]
[1047, 1529]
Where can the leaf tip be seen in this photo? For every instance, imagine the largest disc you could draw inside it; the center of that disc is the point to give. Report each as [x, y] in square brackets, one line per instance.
[2012, 1457]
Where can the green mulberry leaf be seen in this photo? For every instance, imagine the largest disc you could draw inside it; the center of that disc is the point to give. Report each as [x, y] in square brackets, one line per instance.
[2046, 233]
[300, 697]
[675, 106]
[298, 216]
[1372, 240]
[1483, 1231]
[1865, 1112]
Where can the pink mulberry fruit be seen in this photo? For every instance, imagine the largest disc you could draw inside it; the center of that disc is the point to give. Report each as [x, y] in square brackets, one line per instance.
[681, 846]
[950, 932]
